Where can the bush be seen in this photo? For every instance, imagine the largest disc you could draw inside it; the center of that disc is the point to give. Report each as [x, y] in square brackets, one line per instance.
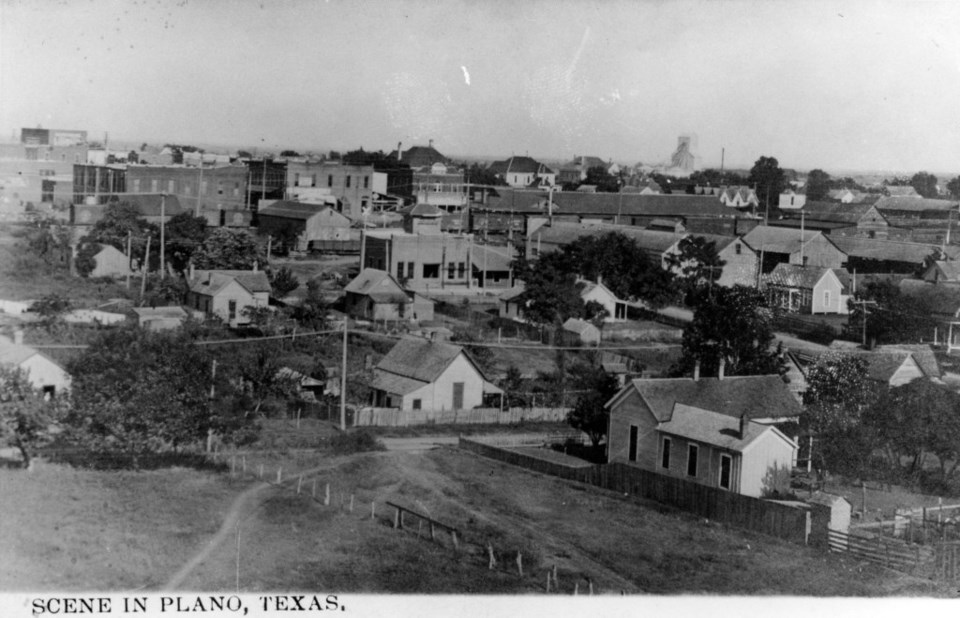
[359, 441]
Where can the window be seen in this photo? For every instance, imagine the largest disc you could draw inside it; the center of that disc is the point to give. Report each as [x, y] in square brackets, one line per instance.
[692, 452]
[634, 434]
[417, 404]
[451, 267]
[236, 189]
[399, 270]
[232, 309]
[461, 269]
[726, 468]
[366, 182]
[46, 190]
[329, 180]
[296, 180]
[458, 395]
[665, 455]
[431, 271]
[313, 180]
[348, 181]
[153, 185]
[737, 249]
[805, 260]
[826, 298]
[219, 187]
[410, 270]
[169, 186]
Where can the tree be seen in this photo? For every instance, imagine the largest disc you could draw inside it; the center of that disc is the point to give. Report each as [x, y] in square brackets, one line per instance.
[697, 265]
[736, 325]
[289, 153]
[954, 188]
[604, 181]
[914, 419]
[481, 354]
[625, 268]
[818, 185]
[925, 184]
[837, 394]
[513, 386]
[24, 414]
[595, 387]
[85, 262]
[312, 311]
[137, 392]
[768, 179]
[261, 370]
[51, 308]
[184, 234]
[894, 317]
[551, 293]
[120, 220]
[283, 281]
[229, 249]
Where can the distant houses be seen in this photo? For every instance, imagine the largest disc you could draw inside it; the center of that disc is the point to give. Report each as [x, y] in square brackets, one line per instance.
[376, 295]
[810, 289]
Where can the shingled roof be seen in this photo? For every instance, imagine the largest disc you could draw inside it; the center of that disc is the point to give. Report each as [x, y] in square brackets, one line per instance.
[292, 210]
[779, 240]
[834, 212]
[378, 285]
[796, 276]
[759, 397]
[708, 427]
[891, 250]
[915, 204]
[210, 282]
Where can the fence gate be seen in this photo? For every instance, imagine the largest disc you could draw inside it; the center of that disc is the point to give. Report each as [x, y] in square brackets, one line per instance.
[946, 560]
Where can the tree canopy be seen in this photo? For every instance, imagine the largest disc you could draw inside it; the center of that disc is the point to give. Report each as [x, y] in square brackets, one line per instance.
[894, 317]
[818, 185]
[184, 234]
[602, 180]
[735, 324]
[119, 220]
[925, 184]
[697, 266]
[954, 188]
[625, 268]
[551, 291]
[595, 387]
[24, 414]
[229, 249]
[768, 179]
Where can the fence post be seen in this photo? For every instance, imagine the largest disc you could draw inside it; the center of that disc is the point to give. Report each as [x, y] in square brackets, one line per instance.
[243, 460]
[261, 471]
[351, 503]
[453, 537]
[556, 584]
[326, 496]
[520, 563]
[576, 588]
[313, 491]
[548, 581]
[492, 562]
[373, 510]
[299, 483]
[279, 474]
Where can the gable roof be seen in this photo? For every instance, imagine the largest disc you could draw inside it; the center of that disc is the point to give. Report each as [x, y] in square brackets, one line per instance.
[211, 282]
[288, 209]
[420, 156]
[491, 258]
[902, 191]
[379, 285]
[419, 359]
[949, 269]
[837, 213]
[921, 352]
[781, 240]
[713, 428]
[757, 396]
[881, 366]
[519, 165]
[915, 204]
[891, 250]
[796, 276]
[14, 353]
[578, 326]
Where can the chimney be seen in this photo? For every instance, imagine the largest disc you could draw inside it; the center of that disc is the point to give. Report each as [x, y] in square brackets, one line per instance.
[723, 363]
[599, 279]
[743, 425]
[399, 144]
[430, 143]
[696, 370]
[18, 337]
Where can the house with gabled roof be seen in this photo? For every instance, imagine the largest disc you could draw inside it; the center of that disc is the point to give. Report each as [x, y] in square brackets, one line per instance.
[419, 374]
[523, 172]
[419, 157]
[902, 191]
[838, 219]
[722, 432]
[305, 223]
[226, 293]
[376, 295]
[808, 289]
[110, 262]
[891, 367]
[792, 199]
[922, 353]
[942, 271]
[875, 255]
[802, 247]
[43, 373]
[738, 197]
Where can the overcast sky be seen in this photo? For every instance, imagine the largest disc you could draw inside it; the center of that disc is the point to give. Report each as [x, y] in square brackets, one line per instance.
[837, 85]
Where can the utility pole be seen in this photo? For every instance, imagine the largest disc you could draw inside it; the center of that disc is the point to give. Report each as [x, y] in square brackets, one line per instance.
[163, 243]
[129, 257]
[213, 381]
[199, 189]
[343, 379]
[146, 267]
[863, 309]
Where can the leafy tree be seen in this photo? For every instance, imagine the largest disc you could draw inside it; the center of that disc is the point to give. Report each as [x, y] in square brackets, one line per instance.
[283, 281]
[768, 179]
[954, 188]
[244, 154]
[85, 262]
[734, 324]
[595, 387]
[837, 394]
[599, 177]
[925, 184]
[49, 240]
[477, 174]
[24, 414]
[482, 354]
[137, 392]
[259, 367]
[51, 308]
[894, 317]
[229, 249]
[625, 268]
[595, 312]
[119, 220]
[312, 311]
[184, 234]
[697, 265]
[513, 386]
[715, 178]
[289, 153]
[163, 291]
[818, 185]
[551, 293]
[917, 418]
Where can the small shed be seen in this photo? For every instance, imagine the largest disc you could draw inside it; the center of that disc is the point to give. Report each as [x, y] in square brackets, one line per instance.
[828, 512]
[587, 332]
[110, 262]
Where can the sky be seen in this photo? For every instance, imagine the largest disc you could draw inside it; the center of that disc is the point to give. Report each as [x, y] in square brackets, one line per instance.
[834, 85]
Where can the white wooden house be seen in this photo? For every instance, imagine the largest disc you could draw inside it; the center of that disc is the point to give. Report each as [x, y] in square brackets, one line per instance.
[110, 262]
[808, 289]
[226, 293]
[419, 374]
[42, 371]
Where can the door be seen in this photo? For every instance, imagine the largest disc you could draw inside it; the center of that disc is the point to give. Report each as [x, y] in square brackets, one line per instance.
[726, 465]
[458, 395]
[634, 433]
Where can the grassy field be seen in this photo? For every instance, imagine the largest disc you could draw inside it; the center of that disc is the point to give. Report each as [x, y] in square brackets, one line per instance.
[70, 529]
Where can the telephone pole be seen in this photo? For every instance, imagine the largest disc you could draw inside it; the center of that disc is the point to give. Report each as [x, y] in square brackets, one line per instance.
[343, 379]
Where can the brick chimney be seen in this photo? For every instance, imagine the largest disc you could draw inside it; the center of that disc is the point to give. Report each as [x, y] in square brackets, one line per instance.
[18, 337]
[744, 421]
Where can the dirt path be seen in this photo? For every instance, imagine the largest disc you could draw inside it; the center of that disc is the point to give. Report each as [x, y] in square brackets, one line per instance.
[244, 504]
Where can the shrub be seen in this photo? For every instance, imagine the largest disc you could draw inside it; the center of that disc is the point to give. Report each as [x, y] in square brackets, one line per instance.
[359, 441]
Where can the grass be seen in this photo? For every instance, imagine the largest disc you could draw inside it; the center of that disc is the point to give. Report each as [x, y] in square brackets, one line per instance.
[71, 529]
[87, 530]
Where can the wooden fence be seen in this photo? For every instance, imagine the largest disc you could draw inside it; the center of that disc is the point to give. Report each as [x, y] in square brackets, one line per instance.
[885, 551]
[393, 417]
[740, 511]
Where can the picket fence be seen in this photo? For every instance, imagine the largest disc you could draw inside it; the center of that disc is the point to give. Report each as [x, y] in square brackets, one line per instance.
[393, 417]
[740, 511]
